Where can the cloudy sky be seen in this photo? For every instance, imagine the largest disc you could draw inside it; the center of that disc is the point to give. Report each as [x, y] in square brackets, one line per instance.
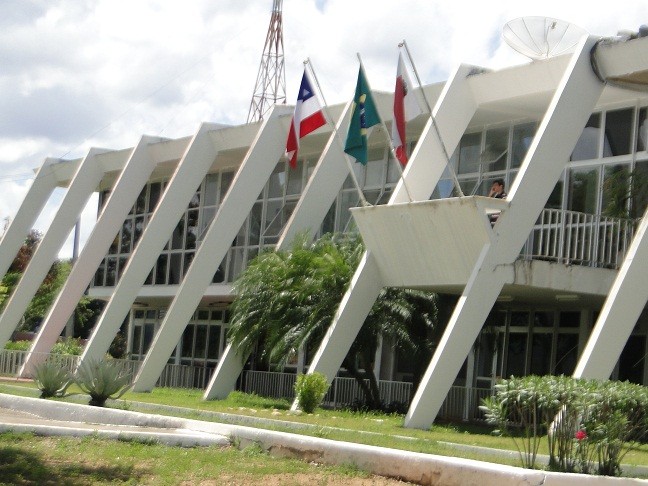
[76, 74]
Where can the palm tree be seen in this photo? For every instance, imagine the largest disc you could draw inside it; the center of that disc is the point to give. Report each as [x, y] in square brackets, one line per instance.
[287, 299]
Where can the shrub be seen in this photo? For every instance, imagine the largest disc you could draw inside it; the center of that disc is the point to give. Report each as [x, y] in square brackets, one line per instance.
[588, 423]
[102, 380]
[52, 378]
[70, 346]
[310, 390]
[18, 345]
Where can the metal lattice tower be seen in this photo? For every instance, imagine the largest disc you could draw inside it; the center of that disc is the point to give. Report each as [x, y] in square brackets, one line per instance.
[270, 85]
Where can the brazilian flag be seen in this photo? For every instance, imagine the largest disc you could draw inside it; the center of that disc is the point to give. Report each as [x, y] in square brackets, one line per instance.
[365, 115]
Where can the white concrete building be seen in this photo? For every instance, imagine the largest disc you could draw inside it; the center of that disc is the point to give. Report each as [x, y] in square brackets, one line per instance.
[179, 220]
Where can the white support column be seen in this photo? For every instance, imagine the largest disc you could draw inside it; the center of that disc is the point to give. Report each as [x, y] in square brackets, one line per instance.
[83, 184]
[619, 314]
[191, 169]
[453, 112]
[323, 187]
[260, 161]
[35, 199]
[131, 180]
[557, 135]
[320, 192]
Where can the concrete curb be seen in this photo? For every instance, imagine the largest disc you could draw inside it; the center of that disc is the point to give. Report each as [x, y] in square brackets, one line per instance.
[425, 469]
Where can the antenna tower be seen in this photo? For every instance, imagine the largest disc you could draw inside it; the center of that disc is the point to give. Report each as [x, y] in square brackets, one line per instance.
[270, 85]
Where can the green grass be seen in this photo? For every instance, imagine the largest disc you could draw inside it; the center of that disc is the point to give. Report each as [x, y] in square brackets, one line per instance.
[26, 459]
[369, 428]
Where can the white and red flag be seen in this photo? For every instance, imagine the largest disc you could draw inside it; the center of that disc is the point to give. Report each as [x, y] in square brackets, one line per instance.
[308, 117]
[406, 108]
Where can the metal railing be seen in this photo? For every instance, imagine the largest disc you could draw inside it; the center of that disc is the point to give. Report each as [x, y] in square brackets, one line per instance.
[575, 238]
[461, 403]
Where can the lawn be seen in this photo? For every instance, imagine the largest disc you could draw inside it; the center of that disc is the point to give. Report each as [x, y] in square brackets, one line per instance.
[30, 460]
[361, 427]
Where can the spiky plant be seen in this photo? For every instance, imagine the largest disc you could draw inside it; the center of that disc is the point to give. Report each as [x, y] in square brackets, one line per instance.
[102, 380]
[52, 378]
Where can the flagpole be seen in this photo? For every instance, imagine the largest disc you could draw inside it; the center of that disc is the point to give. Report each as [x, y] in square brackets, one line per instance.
[363, 199]
[391, 145]
[434, 123]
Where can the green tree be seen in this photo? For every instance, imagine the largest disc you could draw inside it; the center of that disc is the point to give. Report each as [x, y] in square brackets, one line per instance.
[287, 299]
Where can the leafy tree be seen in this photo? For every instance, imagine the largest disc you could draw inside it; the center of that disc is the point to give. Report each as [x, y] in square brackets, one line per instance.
[86, 310]
[287, 299]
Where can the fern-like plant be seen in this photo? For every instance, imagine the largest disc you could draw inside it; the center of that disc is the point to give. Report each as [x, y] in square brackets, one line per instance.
[102, 380]
[52, 378]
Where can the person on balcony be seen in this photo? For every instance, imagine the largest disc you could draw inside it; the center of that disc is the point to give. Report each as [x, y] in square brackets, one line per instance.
[497, 191]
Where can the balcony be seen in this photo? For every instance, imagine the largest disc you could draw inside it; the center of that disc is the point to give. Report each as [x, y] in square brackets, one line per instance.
[436, 244]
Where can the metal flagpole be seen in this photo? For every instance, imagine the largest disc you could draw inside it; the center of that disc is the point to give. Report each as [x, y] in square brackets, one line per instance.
[434, 123]
[363, 199]
[389, 140]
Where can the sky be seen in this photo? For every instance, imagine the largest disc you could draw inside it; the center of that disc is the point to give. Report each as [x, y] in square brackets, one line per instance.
[77, 74]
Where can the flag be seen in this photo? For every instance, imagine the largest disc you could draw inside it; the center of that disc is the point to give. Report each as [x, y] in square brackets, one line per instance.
[364, 116]
[406, 108]
[308, 117]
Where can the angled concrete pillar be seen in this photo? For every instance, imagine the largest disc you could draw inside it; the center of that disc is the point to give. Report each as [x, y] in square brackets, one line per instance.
[198, 157]
[39, 192]
[83, 184]
[571, 106]
[261, 159]
[619, 314]
[124, 194]
[320, 192]
[453, 112]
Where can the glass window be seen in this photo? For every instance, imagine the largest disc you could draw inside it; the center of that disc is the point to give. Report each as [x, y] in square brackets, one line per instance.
[122, 266]
[469, 153]
[111, 271]
[543, 319]
[154, 195]
[272, 223]
[177, 235]
[566, 354]
[616, 191]
[99, 275]
[569, 319]
[161, 270]
[374, 173]
[516, 356]
[188, 258]
[587, 146]
[139, 229]
[149, 330]
[140, 203]
[211, 189]
[639, 190]
[642, 128]
[496, 149]
[255, 223]
[541, 353]
[618, 132]
[294, 185]
[555, 198]
[137, 339]
[236, 263]
[277, 181]
[632, 360]
[187, 341]
[522, 139]
[201, 341]
[114, 246]
[348, 199]
[175, 268]
[583, 190]
[191, 234]
[226, 181]
[126, 236]
[213, 346]
[219, 276]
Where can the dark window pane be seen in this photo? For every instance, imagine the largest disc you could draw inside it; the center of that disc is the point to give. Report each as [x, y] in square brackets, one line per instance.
[187, 341]
[522, 138]
[587, 146]
[214, 342]
[154, 195]
[496, 149]
[618, 131]
[642, 125]
[632, 360]
[469, 153]
[516, 357]
[174, 268]
[566, 354]
[140, 203]
[583, 190]
[148, 337]
[541, 354]
[161, 270]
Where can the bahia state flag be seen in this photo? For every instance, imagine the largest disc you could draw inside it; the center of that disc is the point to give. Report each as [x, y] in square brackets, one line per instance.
[307, 118]
[365, 115]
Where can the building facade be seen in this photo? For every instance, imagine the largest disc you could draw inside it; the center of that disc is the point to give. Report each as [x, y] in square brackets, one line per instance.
[179, 220]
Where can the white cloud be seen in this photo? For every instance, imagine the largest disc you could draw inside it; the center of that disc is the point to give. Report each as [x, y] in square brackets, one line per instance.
[102, 72]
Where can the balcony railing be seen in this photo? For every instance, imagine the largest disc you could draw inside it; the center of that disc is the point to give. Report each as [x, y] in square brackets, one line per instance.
[574, 238]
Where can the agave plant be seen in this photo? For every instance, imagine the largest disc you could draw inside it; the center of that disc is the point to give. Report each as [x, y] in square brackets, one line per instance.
[52, 378]
[102, 380]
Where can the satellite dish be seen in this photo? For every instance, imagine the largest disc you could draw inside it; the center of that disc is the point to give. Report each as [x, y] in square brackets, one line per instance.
[541, 37]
